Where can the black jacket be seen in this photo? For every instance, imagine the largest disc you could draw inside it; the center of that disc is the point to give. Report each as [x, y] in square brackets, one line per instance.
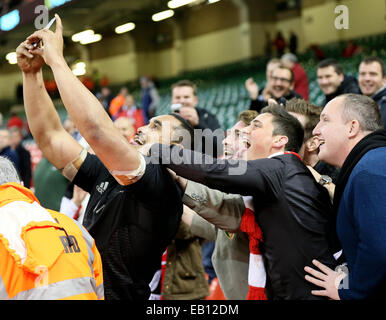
[293, 211]
[209, 121]
[326, 169]
[260, 103]
[348, 85]
[380, 98]
[24, 165]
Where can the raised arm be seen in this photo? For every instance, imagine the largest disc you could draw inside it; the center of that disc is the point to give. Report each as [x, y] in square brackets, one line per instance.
[84, 109]
[56, 144]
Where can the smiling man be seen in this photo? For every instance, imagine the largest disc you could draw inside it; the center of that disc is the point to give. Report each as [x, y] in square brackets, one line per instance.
[281, 84]
[352, 138]
[333, 82]
[232, 142]
[208, 132]
[372, 82]
[291, 208]
[135, 206]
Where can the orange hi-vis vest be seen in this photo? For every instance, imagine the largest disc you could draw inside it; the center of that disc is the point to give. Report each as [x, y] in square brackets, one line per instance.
[44, 255]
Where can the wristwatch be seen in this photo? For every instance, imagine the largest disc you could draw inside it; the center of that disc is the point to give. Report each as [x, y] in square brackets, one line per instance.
[324, 179]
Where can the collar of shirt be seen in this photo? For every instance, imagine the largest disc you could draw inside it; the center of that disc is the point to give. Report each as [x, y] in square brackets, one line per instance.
[286, 152]
[276, 154]
[383, 87]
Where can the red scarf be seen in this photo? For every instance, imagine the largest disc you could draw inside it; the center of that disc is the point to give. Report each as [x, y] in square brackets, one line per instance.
[256, 274]
[163, 268]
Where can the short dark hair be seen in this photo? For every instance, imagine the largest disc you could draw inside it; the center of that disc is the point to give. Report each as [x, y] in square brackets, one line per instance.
[247, 116]
[309, 110]
[186, 127]
[185, 83]
[364, 109]
[372, 59]
[331, 63]
[286, 125]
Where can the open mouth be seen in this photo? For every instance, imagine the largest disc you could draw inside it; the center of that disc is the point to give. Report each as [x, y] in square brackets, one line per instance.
[227, 151]
[246, 143]
[278, 88]
[137, 140]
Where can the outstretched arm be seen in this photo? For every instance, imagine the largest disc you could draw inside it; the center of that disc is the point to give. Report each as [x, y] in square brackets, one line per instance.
[84, 109]
[258, 177]
[56, 144]
[221, 209]
[198, 226]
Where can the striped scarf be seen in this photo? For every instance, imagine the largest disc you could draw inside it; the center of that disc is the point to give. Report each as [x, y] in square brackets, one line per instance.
[256, 273]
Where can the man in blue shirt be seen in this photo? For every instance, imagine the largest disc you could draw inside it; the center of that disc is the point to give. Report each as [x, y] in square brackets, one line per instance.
[353, 139]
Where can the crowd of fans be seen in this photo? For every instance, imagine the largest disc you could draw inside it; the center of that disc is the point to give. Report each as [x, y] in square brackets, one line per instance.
[287, 205]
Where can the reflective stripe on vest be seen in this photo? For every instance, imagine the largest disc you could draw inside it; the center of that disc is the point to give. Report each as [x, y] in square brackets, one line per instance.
[3, 292]
[53, 291]
[100, 291]
[89, 242]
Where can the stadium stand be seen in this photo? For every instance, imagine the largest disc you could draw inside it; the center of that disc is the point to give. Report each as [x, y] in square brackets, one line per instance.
[221, 89]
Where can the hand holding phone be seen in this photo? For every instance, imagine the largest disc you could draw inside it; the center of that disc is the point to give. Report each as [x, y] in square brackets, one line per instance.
[48, 26]
[175, 107]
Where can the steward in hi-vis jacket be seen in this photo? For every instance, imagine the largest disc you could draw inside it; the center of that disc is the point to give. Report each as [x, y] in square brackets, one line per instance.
[44, 255]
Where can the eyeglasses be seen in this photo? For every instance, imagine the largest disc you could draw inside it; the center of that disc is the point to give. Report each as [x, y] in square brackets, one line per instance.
[281, 79]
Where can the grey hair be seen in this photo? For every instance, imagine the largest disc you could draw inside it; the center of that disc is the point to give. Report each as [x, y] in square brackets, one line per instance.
[8, 172]
[364, 109]
[290, 57]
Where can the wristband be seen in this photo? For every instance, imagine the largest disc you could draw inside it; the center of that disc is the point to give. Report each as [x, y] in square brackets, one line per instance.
[71, 169]
[125, 178]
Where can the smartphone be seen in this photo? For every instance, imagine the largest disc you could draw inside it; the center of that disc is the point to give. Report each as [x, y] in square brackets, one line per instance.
[49, 24]
[175, 107]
